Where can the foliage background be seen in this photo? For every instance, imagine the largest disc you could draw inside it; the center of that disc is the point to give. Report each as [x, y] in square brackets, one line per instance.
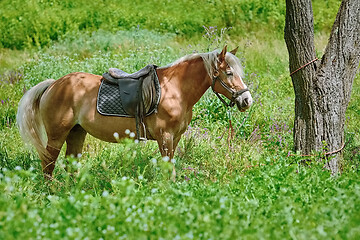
[250, 188]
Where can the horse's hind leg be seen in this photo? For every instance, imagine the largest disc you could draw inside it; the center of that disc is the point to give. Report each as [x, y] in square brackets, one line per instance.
[56, 137]
[75, 141]
[48, 160]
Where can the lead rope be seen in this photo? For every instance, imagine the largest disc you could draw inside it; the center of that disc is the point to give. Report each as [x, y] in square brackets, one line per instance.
[231, 131]
[315, 59]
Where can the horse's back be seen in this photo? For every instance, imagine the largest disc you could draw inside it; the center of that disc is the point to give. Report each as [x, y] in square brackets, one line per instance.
[70, 87]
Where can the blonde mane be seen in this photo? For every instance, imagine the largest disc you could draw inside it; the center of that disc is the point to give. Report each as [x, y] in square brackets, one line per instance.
[210, 62]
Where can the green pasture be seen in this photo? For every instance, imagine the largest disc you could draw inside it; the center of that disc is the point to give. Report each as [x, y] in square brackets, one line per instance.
[246, 188]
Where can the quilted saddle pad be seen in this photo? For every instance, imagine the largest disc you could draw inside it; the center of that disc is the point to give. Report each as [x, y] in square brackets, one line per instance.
[109, 101]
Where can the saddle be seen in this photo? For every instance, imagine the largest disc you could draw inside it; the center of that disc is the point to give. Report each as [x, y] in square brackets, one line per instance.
[130, 95]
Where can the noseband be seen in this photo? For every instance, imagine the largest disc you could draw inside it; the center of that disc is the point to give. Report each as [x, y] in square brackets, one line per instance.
[234, 94]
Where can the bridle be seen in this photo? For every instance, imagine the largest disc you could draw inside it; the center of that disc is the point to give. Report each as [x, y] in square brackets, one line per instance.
[234, 94]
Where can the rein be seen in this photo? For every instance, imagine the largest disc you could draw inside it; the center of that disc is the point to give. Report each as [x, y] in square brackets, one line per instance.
[234, 94]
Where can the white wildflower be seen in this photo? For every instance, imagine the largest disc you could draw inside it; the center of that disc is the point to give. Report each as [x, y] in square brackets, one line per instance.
[18, 168]
[116, 135]
[71, 199]
[110, 228]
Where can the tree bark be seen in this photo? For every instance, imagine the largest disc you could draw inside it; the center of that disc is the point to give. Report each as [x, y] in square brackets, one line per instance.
[323, 88]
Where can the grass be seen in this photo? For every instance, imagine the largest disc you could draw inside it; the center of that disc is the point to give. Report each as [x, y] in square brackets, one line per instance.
[247, 187]
[271, 201]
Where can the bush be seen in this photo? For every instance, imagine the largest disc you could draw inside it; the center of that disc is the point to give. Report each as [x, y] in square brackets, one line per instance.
[40, 22]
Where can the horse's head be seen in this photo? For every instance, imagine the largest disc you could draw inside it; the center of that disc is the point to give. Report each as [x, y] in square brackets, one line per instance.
[227, 80]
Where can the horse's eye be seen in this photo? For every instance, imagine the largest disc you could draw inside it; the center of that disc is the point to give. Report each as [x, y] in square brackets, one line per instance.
[229, 73]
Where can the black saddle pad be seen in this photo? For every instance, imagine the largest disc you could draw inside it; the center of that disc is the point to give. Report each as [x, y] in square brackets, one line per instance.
[115, 96]
[109, 101]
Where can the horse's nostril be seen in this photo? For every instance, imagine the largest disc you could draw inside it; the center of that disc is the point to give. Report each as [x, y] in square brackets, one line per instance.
[246, 101]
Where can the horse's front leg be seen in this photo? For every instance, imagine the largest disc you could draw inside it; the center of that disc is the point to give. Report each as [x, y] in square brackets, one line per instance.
[167, 145]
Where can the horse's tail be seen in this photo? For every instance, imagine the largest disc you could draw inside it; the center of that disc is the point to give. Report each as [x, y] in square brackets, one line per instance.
[29, 121]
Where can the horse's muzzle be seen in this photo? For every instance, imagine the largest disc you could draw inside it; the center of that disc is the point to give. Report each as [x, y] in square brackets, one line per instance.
[244, 101]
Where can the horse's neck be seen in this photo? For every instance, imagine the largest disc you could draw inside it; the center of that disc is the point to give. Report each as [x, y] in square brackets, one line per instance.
[189, 80]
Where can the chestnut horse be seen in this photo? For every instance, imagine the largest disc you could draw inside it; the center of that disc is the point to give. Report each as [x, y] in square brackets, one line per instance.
[54, 112]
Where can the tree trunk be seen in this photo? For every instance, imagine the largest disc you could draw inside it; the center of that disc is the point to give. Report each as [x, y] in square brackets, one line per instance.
[322, 88]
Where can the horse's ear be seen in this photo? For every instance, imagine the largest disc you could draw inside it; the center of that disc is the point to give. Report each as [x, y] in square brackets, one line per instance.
[222, 54]
[234, 51]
